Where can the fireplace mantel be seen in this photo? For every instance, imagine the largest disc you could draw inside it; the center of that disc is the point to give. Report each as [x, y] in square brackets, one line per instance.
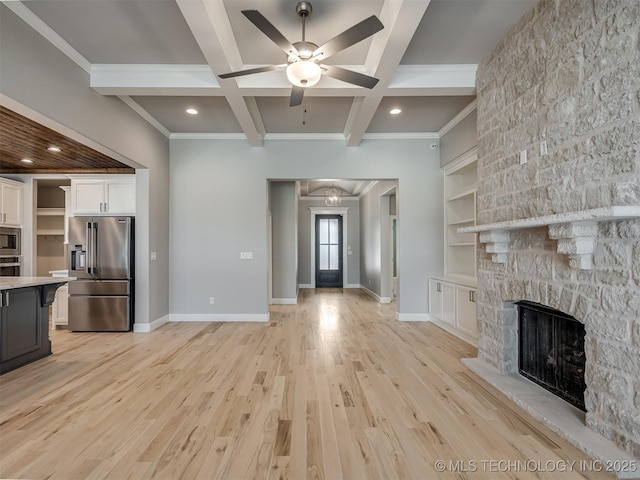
[575, 232]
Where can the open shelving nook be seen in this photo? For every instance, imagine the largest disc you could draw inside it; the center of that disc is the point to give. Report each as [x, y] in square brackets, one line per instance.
[460, 186]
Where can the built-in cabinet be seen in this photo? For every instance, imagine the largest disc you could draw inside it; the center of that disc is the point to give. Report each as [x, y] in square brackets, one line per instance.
[60, 306]
[103, 195]
[452, 295]
[453, 307]
[10, 203]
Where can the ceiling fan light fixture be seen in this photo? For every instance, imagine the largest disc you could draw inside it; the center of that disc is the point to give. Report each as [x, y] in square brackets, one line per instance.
[304, 73]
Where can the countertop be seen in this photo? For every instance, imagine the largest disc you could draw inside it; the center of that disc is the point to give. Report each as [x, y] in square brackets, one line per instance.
[9, 283]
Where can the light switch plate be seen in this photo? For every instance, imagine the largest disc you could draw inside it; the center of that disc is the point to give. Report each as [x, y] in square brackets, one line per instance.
[523, 157]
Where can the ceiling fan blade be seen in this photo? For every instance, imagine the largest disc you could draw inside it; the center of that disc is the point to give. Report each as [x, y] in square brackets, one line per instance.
[296, 96]
[349, 37]
[266, 27]
[349, 76]
[250, 71]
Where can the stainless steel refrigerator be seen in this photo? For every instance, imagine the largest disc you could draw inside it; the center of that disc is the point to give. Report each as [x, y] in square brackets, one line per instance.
[101, 256]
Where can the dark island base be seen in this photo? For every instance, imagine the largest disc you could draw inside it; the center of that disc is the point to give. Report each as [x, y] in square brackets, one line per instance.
[24, 325]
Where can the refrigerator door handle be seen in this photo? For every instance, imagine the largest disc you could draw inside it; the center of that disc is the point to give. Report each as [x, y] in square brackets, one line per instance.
[88, 243]
[94, 249]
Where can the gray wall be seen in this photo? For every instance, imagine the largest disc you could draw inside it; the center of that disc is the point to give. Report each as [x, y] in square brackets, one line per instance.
[284, 215]
[375, 238]
[352, 261]
[36, 77]
[210, 226]
[459, 139]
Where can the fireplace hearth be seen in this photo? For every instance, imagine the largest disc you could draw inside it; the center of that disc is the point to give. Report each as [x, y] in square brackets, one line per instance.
[551, 351]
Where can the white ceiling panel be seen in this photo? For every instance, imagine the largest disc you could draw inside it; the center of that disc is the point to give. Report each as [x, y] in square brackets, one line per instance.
[419, 114]
[214, 114]
[122, 31]
[315, 115]
[462, 31]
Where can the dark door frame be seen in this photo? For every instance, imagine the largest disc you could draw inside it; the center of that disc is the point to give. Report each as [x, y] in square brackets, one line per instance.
[330, 278]
[344, 211]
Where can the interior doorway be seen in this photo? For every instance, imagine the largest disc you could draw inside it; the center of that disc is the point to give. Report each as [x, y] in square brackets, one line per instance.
[328, 241]
[394, 257]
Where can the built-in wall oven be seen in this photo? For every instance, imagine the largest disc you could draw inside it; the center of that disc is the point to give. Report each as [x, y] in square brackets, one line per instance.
[10, 259]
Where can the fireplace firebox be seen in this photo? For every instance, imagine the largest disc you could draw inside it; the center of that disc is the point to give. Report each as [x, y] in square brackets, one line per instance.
[551, 351]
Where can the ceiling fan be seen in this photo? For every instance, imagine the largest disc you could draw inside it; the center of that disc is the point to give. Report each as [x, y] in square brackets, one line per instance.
[303, 58]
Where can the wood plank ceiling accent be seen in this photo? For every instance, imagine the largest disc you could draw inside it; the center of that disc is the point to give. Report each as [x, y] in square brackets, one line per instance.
[21, 138]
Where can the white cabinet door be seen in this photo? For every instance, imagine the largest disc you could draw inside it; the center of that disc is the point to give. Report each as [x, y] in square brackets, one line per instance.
[448, 303]
[120, 197]
[60, 307]
[10, 205]
[100, 196]
[466, 317]
[435, 299]
[87, 196]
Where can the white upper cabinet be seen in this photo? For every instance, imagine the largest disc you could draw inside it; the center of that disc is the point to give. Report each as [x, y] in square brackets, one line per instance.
[105, 195]
[10, 203]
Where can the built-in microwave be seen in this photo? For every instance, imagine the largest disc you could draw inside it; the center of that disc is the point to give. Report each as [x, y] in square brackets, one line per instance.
[9, 241]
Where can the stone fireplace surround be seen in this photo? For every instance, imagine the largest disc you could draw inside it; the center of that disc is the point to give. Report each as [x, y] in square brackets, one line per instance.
[535, 260]
[558, 114]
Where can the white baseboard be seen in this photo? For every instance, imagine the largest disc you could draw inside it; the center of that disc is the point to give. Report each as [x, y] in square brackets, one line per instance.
[150, 327]
[284, 301]
[353, 285]
[306, 285]
[219, 317]
[376, 296]
[413, 317]
[454, 331]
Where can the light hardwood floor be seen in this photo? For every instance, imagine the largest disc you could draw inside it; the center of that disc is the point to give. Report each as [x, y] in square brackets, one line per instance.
[333, 388]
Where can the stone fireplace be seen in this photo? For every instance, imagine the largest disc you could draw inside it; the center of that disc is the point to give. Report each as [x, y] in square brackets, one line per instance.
[559, 226]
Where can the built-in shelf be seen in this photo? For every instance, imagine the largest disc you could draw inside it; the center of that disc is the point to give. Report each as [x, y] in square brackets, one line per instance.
[50, 212]
[460, 185]
[462, 222]
[50, 232]
[575, 232]
[466, 193]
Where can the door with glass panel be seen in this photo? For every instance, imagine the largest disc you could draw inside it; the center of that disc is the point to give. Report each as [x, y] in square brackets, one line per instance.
[328, 251]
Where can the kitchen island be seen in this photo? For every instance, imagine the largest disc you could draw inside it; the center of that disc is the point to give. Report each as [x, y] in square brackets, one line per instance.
[24, 319]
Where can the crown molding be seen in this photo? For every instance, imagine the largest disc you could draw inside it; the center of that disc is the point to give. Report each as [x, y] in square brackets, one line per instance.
[464, 113]
[145, 115]
[208, 136]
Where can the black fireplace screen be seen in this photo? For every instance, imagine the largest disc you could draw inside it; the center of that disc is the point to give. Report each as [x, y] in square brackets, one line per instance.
[552, 351]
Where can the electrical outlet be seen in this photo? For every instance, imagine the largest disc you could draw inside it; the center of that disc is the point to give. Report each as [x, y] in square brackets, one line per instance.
[246, 255]
[153, 256]
[212, 300]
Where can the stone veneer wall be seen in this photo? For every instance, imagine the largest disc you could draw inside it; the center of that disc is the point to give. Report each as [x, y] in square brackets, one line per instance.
[567, 73]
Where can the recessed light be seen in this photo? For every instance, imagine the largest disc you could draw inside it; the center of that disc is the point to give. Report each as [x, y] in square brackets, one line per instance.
[395, 111]
[54, 149]
[192, 111]
[26, 160]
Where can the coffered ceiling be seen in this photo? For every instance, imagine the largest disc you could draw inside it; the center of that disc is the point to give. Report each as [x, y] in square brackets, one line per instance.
[163, 56]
